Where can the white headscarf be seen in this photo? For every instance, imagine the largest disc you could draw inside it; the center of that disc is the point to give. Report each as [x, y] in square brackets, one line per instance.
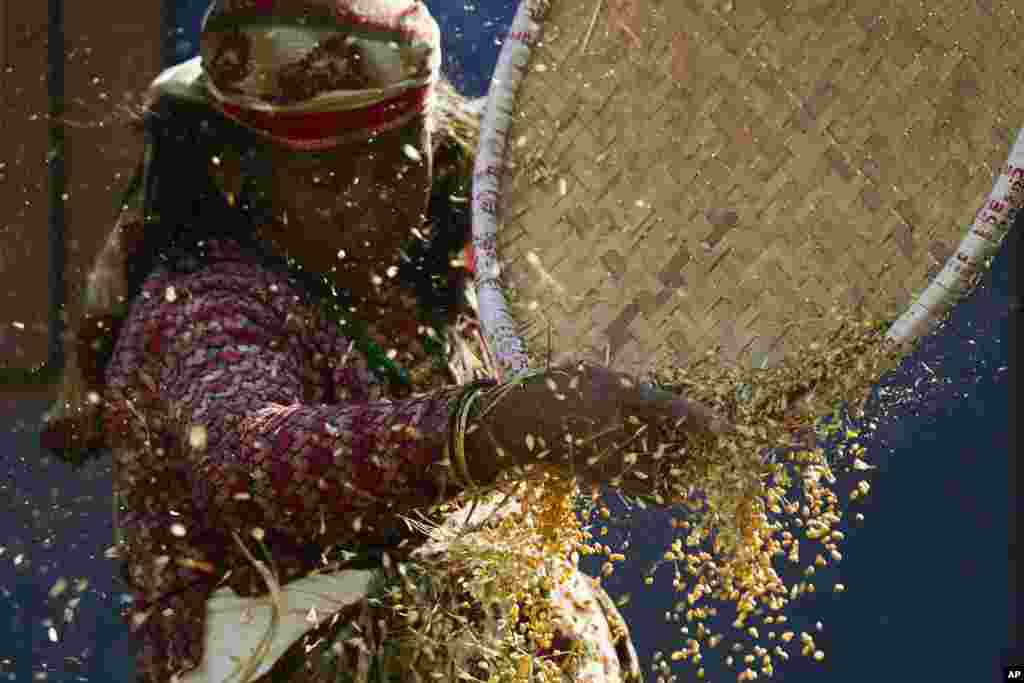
[321, 73]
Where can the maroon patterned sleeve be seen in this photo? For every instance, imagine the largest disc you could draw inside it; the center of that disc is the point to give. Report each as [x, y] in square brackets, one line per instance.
[251, 377]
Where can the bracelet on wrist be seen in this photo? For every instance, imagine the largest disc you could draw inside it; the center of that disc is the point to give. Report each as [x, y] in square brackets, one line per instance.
[456, 445]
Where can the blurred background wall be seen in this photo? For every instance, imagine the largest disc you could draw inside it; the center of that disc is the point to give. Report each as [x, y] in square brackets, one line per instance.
[69, 70]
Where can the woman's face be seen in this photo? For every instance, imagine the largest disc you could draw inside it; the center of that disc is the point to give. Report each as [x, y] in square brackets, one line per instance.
[354, 206]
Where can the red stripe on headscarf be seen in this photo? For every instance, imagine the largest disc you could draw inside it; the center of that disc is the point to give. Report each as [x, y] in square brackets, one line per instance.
[313, 126]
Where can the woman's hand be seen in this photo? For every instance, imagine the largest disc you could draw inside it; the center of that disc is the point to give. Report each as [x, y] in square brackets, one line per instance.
[647, 402]
[602, 425]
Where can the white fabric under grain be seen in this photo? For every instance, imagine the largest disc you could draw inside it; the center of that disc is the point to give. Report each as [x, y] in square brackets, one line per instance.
[235, 626]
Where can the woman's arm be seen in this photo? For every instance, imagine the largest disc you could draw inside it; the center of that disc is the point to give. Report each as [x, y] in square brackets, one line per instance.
[227, 351]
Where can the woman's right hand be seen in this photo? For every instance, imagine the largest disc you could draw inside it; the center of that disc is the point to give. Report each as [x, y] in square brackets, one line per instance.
[588, 419]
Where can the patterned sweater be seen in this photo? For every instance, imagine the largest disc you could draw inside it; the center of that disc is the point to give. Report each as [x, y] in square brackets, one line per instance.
[238, 405]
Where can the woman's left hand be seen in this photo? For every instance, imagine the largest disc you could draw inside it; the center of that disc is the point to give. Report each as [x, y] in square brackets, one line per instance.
[656, 426]
[599, 423]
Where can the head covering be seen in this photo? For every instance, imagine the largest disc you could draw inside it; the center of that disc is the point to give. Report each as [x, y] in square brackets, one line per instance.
[315, 74]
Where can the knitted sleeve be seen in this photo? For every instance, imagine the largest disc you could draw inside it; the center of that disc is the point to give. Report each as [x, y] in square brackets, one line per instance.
[274, 406]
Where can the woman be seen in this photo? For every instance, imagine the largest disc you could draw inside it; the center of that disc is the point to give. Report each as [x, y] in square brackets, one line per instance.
[282, 367]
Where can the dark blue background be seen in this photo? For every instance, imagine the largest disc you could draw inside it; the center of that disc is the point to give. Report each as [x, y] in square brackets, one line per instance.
[930, 592]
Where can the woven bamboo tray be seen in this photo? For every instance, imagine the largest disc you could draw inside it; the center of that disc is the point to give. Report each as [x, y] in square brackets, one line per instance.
[658, 178]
